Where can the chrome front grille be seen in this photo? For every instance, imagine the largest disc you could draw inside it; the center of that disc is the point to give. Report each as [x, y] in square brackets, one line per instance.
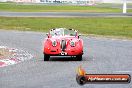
[63, 45]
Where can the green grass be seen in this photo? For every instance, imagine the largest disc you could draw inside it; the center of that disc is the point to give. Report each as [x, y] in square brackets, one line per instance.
[99, 26]
[45, 8]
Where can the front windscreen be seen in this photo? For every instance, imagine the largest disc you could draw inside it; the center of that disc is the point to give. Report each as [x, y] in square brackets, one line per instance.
[62, 32]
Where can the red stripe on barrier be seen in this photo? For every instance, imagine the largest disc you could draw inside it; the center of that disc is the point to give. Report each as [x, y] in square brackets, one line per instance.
[2, 64]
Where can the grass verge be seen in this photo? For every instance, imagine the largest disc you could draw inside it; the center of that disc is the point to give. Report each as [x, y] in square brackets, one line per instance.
[46, 8]
[98, 26]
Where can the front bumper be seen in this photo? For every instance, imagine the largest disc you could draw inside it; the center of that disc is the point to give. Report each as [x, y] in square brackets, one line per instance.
[66, 52]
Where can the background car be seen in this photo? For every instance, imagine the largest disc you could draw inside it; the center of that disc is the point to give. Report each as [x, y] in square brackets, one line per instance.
[63, 42]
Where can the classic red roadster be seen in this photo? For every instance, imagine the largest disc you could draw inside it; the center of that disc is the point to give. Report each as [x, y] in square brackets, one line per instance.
[63, 42]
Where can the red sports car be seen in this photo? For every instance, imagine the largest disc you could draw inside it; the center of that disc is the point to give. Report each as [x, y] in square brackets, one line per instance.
[63, 42]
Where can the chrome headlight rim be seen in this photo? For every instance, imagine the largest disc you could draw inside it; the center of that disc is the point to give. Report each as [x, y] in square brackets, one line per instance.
[72, 43]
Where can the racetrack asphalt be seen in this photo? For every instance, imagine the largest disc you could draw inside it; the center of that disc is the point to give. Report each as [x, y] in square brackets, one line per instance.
[62, 14]
[101, 55]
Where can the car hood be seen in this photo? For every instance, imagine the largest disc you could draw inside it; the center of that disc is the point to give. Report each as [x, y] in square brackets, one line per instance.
[67, 38]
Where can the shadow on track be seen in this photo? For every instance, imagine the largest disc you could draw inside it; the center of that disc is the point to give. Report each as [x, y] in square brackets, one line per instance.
[63, 59]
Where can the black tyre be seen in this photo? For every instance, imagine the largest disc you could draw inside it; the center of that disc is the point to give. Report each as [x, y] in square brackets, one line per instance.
[79, 57]
[81, 80]
[46, 57]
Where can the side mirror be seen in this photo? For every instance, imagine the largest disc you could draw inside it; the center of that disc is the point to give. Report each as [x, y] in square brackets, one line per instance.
[79, 35]
[47, 35]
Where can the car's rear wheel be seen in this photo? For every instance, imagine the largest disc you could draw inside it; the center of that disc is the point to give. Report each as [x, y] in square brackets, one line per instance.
[79, 57]
[46, 57]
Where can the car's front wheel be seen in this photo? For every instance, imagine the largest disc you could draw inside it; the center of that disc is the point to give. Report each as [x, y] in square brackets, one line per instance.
[46, 57]
[79, 57]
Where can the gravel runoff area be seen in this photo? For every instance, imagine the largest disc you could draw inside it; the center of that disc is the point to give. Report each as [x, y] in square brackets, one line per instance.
[101, 55]
[10, 56]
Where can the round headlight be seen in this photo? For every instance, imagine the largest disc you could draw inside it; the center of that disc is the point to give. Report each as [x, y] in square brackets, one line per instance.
[54, 43]
[72, 43]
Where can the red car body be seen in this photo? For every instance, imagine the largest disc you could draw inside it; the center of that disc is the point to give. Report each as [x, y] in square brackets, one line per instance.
[63, 42]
